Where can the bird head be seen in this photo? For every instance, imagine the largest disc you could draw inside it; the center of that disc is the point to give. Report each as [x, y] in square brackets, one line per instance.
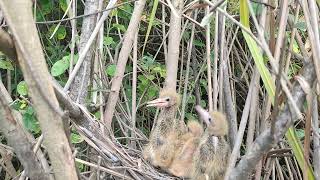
[167, 98]
[217, 124]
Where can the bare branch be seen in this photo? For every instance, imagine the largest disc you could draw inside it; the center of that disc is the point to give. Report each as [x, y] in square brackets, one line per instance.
[122, 61]
[18, 138]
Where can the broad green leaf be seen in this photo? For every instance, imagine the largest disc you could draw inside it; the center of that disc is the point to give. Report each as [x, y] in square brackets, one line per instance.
[150, 77]
[152, 91]
[60, 66]
[23, 105]
[61, 33]
[22, 88]
[147, 61]
[29, 120]
[111, 70]
[76, 138]
[5, 64]
[108, 41]
[45, 7]
[143, 79]
[97, 115]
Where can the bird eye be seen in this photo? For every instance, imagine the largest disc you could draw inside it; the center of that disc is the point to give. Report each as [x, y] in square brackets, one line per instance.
[168, 99]
[209, 119]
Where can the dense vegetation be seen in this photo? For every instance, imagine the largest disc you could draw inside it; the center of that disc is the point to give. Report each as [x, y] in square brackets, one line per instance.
[264, 78]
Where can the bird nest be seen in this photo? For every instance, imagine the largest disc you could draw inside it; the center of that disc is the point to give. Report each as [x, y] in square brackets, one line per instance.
[114, 160]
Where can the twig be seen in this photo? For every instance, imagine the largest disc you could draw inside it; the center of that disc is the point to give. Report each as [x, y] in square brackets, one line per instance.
[208, 58]
[186, 78]
[134, 87]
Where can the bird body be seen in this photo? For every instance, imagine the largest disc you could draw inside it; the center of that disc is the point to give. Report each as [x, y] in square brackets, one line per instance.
[211, 156]
[160, 150]
[186, 146]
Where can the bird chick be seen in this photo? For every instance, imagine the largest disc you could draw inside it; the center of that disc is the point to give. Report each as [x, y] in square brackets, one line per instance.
[182, 164]
[211, 157]
[161, 148]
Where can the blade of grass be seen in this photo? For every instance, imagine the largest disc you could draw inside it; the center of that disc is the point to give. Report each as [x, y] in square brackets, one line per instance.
[270, 87]
[152, 15]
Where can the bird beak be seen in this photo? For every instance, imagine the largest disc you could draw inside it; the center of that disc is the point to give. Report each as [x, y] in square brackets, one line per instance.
[160, 102]
[203, 114]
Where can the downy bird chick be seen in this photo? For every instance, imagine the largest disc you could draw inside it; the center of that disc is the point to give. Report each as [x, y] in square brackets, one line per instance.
[211, 157]
[182, 164]
[161, 148]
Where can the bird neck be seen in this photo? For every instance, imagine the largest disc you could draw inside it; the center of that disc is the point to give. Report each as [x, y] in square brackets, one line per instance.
[167, 115]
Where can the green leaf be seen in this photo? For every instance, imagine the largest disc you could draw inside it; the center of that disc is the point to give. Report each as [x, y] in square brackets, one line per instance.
[151, 20]
[22, 88]
[61, 33]
[257, 8]
[97, 115]
[147, 61]
[76, 138]
[108, 41]
[301, 25]
[186, 35]
[152, 91]
[119, 26]
[63, 5]
[203, 103]
[60, 66]
[45, 6]
[143, 79]
[29, 120]
[23, 105]
[150, 77]
[111, 70]
[80, 166]
[300, 133]
[198, 43]
[6, 65]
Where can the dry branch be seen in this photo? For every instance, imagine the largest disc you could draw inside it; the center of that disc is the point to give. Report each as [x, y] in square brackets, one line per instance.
[122, 61]
[18, 138]
[32, 62]
[79, 87]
